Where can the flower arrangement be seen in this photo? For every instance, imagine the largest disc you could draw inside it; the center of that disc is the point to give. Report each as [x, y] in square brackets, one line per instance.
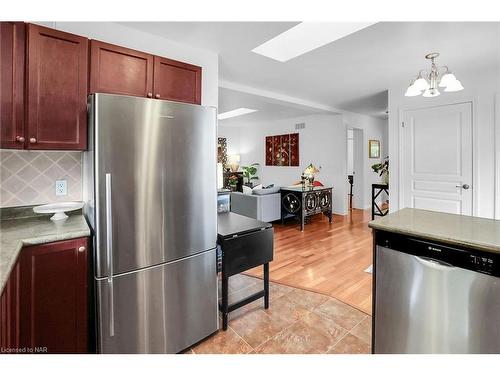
[382, 169]
[233, 181]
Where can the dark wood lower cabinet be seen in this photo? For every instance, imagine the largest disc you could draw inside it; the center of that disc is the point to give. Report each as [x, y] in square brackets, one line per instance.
[44, 306]
[9, 311]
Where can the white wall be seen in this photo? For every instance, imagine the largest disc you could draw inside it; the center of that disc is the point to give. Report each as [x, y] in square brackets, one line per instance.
[322, 142]
[128, 37]
[372, 128]
[480, 89]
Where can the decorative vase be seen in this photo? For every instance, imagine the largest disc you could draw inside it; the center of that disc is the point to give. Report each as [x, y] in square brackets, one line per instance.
[385, 178]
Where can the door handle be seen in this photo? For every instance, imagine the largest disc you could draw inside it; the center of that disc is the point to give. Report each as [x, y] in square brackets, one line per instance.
[464, 186]
[109, 253]
[439, 264]
[20, 139]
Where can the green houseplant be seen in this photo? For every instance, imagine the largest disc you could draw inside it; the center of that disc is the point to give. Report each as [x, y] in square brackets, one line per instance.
[233, 182]
[250, 173]
[382, 169]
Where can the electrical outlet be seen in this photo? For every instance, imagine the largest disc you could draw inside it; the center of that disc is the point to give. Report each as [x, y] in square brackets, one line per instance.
[61, 187]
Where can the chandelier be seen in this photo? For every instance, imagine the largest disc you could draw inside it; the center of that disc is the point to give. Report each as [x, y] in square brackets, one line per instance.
[427, 82]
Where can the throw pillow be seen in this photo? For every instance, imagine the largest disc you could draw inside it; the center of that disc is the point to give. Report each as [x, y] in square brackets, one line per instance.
[271, 190]
[247, 190]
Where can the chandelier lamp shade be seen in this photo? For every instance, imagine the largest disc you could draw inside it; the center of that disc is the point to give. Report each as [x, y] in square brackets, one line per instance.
[428, 83]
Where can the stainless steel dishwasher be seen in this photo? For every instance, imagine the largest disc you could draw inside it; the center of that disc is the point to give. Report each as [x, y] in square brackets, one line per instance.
[434, 298]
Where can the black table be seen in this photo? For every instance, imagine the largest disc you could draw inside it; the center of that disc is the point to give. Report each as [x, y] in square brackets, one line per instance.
[245, 243]
[302, 202]
[377, 189]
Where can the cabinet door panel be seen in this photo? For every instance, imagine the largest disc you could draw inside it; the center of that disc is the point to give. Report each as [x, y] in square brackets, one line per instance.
[174, 80]
[12, 59]
[57, 89]
[54, 296]
[9, 311]
[119, 70]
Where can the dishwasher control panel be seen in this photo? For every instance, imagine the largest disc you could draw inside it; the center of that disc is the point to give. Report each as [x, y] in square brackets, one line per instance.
[483, 263]
[455, 256]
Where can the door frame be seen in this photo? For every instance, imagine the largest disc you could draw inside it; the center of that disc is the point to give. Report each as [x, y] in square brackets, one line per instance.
[402, 158]
[346, 170]
[497, 155]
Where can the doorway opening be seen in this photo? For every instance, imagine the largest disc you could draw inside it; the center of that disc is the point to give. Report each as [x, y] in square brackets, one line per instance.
[355, 170]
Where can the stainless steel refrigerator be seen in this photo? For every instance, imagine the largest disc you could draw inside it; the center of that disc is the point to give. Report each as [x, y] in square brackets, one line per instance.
[151, 197]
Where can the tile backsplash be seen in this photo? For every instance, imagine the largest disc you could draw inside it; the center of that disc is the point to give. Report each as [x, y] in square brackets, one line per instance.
[29, 177]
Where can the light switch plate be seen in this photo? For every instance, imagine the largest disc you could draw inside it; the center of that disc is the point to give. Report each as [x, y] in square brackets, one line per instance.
[61, 187]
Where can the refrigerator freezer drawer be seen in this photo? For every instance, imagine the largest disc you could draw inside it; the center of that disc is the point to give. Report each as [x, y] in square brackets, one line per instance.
[162, 309]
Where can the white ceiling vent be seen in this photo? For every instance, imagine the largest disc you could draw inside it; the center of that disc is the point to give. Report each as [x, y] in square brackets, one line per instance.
[302, 125]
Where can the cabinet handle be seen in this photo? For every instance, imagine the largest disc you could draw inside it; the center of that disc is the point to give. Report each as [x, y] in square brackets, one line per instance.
[109, 250]
[150, 95]
[157, 96]
[81, 249]
[20, 139]
[32, 140]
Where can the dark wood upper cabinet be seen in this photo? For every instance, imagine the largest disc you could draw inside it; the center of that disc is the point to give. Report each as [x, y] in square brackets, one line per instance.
[12, 59]
[53, 296]
[57, 68]
[119, 70]
[174, 80]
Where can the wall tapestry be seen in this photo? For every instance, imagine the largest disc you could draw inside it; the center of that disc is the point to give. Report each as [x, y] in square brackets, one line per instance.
[283, 150]
[222, 151]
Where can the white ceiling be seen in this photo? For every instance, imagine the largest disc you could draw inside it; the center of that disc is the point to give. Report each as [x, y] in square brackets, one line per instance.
[268, 109]
[352, 73]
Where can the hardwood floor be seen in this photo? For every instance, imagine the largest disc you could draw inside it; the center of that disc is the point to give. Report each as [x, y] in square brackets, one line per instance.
[326, 258]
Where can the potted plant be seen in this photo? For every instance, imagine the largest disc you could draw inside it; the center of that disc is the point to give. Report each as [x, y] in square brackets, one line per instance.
[383, 170]
[233, 182]
[249, 173]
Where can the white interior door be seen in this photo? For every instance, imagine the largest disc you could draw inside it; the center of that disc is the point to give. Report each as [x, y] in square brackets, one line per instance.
[437, 158]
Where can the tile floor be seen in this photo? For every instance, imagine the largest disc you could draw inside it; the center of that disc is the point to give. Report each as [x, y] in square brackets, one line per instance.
[297, 322]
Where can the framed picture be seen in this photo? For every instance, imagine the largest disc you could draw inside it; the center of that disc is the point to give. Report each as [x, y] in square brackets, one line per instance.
[374, 149]
[282, 150]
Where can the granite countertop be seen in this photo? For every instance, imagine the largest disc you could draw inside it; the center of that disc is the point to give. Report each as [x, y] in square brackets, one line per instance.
[468, 231]
[18, 232]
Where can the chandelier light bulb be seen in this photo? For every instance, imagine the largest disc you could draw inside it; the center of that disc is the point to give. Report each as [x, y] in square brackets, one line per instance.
[454, 86]
[421, 84]
[447, 79]
[412, 91]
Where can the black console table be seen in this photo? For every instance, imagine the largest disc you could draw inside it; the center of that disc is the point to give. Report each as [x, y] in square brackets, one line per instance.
[303, 202]
[245, 243]
[377, 189]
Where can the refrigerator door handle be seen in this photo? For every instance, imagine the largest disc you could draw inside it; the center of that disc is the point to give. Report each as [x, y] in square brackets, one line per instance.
[109, 253]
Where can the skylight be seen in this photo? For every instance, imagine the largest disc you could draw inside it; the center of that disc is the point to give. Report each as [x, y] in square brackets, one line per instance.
[235, 112]
[305, 37]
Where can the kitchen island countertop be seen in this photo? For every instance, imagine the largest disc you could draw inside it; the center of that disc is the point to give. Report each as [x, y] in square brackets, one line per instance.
[472, 232]
[18, 232]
